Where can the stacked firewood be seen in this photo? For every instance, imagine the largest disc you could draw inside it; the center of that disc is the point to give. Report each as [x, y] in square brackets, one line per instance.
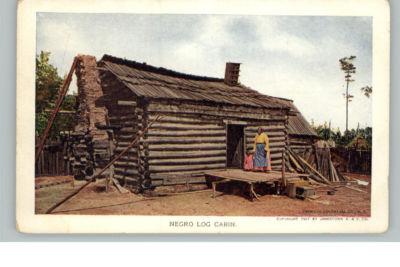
[316, 162]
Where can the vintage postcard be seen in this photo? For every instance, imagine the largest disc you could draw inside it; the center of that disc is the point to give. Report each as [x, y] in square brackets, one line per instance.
[203, 117]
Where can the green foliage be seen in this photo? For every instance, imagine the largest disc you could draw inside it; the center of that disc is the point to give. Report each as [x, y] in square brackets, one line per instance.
[367, 90]
[48, 84]
[356, 138]
[346, 64]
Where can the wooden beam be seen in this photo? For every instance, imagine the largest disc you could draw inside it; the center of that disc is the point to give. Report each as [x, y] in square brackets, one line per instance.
[185, 154]
[199, 110]
[308, 166]
[186, 147]
[235, 122]
[185, 127]
[284, 183]
[188, 161]
[198, 167]
[126, 103]
[186, 133]
[119, 187]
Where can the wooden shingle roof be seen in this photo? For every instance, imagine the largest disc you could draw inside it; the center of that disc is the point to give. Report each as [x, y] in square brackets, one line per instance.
[160, 83]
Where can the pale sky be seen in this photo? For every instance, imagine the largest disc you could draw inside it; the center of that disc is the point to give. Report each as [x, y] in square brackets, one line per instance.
[294, 57]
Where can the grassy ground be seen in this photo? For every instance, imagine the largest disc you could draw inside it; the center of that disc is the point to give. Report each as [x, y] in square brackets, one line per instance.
[94, 200]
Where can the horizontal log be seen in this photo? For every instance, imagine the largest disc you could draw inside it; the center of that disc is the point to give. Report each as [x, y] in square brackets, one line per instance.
[250, 134]
[265, 127]
[276, 162]
[235, 122]
[127, 164]
[186, 133]
[186, 147]
[127, 103]
[159, 169]
[179, 180]
[184, 119]
[126, 171]
[215, 119]
[117, 111]
[271, 139]
[171, 175]
[183, 141]
[131, 130]
[129, 158]
[198, 109]
[227, 108]
[185, 154]
[187, 140]
[185, 127]
[173, 155]
[129, 117]
[226, 115]
[125, 137]
[125, 177]
[122, 148]
[188, 161]
[257, 123]
[277, 155]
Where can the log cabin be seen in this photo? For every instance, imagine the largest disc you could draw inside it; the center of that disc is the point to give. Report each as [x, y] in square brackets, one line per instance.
[207, 123]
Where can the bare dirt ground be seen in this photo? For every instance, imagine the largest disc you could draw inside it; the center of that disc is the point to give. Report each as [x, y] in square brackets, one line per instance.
[94, 200]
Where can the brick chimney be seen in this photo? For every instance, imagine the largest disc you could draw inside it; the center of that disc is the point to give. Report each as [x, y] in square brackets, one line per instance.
[232, 73]
[91, 144]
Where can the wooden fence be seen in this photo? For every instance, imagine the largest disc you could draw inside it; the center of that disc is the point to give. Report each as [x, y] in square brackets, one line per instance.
[53, 160]
[352, 160]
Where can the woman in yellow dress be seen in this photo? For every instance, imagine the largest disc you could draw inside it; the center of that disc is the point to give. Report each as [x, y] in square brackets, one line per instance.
[261, 151]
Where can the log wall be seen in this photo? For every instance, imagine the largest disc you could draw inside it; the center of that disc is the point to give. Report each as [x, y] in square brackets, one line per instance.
[184, 146]
[126, 122]
[191, 138]
[188, 140]
[301, 145]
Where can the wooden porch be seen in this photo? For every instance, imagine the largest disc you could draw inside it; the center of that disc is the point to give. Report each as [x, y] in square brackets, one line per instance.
[279, 179]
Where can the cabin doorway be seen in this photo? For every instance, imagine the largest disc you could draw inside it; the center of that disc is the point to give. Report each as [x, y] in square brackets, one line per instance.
[235, 146]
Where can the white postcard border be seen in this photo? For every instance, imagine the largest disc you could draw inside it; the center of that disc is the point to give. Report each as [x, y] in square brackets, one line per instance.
[28, 222]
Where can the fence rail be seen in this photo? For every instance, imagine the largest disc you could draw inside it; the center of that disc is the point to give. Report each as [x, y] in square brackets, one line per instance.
[53, 160]
[352, 160]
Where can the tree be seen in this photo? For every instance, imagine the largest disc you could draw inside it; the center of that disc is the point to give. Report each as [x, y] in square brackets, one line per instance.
[48, 83]
[367, 90]
[348, 138]
[347, 66]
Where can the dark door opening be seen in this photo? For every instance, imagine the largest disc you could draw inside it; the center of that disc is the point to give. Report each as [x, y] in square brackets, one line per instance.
[235, 146]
